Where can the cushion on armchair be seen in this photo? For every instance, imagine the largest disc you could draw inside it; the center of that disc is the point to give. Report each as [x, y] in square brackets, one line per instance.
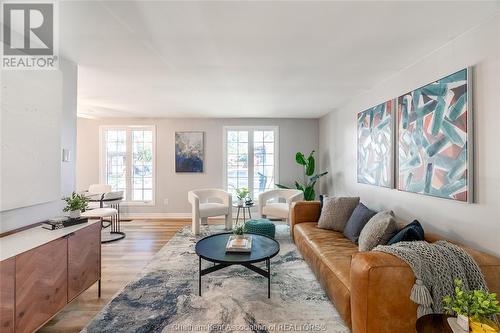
[212, 209]
[276, 209]
[336, 211]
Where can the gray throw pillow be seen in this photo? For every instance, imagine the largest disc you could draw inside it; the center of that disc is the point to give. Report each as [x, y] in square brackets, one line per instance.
[336, 211]
[357, 222]
[378, 231]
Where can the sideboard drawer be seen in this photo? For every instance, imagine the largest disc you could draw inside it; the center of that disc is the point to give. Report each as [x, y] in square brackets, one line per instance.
[7, 294]
[41, 284]
[84, 259]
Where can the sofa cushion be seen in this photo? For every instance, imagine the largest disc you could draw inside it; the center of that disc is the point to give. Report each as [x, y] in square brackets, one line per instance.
[381, 227]
[336, 211]
[328, 253]
[409, 233]
[276, 209]
[331, 246]
[359, 218]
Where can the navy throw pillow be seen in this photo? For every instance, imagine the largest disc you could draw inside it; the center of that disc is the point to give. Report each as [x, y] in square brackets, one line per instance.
[409, 233]
[359, 218]
[321, 200]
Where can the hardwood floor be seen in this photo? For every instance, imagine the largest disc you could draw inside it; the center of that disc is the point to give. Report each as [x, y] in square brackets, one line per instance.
[121, 262]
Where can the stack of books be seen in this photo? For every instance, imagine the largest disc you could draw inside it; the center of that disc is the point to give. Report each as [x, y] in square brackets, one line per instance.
[62, 222]
[237, 243]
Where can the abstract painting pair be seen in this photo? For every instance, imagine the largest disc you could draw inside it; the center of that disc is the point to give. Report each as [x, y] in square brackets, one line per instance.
[433, 138]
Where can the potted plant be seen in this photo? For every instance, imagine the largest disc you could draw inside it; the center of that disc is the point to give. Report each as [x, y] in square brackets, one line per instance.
[75, 204]
[310, 178]
[239, 229]
[473, 308]
[241, 194]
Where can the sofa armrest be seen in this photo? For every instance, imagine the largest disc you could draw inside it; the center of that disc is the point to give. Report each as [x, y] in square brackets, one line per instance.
[380, 294]
[381, 285]
[303, 211]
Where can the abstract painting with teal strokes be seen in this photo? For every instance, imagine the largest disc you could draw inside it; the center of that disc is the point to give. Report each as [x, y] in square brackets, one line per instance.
[433, 139]
[375, 142]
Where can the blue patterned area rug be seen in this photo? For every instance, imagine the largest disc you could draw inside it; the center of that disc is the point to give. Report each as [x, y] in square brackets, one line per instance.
[165, 297]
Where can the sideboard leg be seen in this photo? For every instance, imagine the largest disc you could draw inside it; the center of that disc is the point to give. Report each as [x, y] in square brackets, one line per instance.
[99, 288]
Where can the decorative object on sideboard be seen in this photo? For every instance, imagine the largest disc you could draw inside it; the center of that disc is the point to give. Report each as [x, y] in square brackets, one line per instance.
[475, 309]
[435, 138]
[375, 160]
[310, 178]
[189, 151]
[62, 222]
[75, 204]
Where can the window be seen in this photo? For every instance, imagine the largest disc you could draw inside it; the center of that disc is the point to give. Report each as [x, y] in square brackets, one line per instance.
[127, 161]
[251, 158]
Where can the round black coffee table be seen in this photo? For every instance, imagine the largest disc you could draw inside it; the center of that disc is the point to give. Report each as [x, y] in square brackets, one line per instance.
[213, 249]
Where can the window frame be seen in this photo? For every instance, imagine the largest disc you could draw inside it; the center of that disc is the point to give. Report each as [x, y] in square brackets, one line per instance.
[251, 152]
[129, 153]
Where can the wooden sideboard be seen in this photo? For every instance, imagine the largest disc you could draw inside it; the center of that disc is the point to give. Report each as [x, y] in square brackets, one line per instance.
[38, 280]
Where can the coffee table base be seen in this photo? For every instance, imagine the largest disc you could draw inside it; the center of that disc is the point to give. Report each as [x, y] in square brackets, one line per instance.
[258, 270]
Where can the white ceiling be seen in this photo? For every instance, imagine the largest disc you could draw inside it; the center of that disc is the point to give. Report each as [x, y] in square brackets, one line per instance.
[247, 59]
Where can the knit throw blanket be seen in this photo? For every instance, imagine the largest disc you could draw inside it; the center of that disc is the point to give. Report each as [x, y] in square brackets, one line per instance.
[435, 266]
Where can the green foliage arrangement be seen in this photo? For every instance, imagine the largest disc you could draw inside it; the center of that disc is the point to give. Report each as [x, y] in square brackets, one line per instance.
[76, 202]
[475, 304]
[242, 193]
[239, 229]
[310, 178]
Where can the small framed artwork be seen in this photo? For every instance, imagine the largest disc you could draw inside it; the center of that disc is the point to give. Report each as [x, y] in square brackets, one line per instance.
[435, 138]
[375, 145]
[189, 151]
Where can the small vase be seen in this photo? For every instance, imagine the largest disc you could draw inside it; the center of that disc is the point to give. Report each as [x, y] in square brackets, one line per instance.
[241, 202]
[74, 214]
[463, 322]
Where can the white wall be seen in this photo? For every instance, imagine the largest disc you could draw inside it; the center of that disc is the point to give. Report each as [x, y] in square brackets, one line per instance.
[475, 224]
[62, 91]
[294, 135]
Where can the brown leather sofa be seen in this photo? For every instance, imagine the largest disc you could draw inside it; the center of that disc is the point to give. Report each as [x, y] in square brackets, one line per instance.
[369, 289]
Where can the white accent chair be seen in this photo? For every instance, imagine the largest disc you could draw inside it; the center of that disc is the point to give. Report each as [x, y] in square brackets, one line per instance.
[276, 203]
[210, 202]
[94, 191]
[99, 213]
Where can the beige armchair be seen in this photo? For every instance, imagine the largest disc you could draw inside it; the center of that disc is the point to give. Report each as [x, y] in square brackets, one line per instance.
[276, 203]
[207, 203]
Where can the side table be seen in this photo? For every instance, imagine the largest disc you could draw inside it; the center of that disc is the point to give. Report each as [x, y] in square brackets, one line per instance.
[243, 207]
[433, 323]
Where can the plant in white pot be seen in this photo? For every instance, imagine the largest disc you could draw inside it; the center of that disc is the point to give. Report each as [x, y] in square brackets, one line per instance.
[75, 204]
[475, 309]
[242, 194]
